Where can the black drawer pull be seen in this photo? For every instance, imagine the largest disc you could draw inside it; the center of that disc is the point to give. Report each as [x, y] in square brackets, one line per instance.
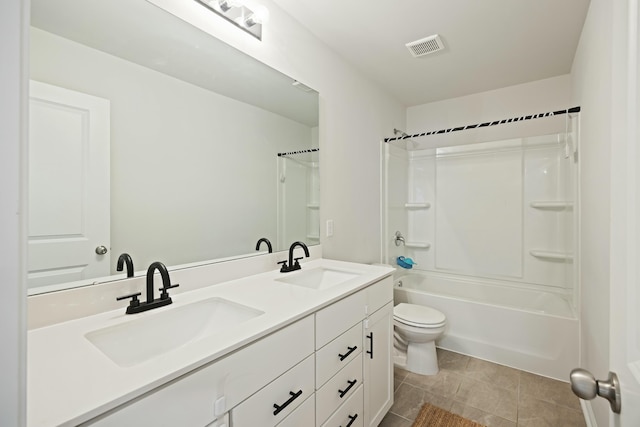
[352, 418]
[293, 397]
[346, 390]
[351, 350]
[370, 352]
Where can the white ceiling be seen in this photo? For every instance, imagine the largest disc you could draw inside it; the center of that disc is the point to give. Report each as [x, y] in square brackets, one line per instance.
[489, 44]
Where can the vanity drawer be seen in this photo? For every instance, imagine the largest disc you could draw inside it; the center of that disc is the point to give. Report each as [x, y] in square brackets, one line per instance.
[379, 294]
[337, 354]
[350, 413]
[303, 416]
[339, 317]
[338, 389]
[287, 392]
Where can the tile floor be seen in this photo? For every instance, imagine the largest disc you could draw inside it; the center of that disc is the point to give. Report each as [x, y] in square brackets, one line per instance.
[490, 394]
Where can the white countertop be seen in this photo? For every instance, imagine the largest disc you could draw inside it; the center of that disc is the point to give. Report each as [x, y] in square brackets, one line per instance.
[70, 381]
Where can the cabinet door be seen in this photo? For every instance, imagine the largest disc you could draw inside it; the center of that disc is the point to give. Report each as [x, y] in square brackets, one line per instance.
[378, 365]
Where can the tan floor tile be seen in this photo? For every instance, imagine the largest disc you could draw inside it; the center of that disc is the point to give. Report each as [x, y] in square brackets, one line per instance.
[482, 417]
[393, 420]
[488, 398]
[444, 383]
[485, 392]
[539, 413]
[400, 373]
[408, 401]
[549, 390]
[451, 361]
[499, 375]
[398, 376]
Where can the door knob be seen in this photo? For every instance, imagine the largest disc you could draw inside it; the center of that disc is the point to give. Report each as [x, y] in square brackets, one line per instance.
[101, 250]
[585, 386]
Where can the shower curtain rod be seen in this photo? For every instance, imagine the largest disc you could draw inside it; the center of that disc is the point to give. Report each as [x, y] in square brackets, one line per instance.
[485, 124]
[290, 153]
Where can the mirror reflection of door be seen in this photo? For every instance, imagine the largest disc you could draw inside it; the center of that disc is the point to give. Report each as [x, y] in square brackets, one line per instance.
[69, 197]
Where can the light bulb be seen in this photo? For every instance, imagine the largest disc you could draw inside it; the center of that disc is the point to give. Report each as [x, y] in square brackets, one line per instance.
[260, 14]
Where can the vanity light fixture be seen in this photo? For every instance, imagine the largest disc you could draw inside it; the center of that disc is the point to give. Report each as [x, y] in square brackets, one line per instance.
[236, 12]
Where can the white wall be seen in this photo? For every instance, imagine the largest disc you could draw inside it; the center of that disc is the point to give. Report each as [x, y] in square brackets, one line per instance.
[592, 86]
[354, 116]
[175, 146]
[529, 98]
[12, 272]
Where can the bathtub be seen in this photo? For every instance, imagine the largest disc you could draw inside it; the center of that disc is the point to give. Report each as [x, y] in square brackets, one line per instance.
[527, 329]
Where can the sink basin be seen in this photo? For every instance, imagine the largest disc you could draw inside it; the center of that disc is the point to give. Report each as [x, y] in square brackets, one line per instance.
[319, 278]
[141, 339]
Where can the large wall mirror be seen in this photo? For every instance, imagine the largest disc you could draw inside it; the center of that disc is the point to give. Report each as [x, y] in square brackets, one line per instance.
[152, 138]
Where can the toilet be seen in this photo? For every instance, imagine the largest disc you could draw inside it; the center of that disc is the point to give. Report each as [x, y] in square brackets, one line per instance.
[416, 329]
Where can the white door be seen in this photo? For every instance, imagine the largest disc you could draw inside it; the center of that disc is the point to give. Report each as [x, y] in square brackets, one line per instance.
[625, 226]
[68, 221]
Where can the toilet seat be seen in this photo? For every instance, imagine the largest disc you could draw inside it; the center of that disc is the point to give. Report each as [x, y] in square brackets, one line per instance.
[418, 316]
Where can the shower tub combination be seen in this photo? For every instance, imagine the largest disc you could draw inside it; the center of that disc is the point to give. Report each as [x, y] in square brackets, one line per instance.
[527, 329]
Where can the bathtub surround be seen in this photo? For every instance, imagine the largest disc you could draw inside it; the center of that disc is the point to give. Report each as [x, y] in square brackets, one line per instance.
[298, 207]
[491, 226]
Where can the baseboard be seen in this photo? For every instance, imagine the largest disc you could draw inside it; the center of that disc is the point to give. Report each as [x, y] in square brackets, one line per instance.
[587, 412]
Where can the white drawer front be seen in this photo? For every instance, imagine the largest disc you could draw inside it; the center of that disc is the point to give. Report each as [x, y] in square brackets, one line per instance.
[338, 389]
[339, 317]
[351, 413]
[379, 294]
[287, 392]
[303, 416]
[337, 354]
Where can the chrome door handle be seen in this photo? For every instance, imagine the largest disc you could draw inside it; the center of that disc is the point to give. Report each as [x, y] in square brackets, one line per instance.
[101, 250]
[585, 386]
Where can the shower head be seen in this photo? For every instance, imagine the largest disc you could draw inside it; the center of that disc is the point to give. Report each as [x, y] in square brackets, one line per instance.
[399, 132]
[410, 144]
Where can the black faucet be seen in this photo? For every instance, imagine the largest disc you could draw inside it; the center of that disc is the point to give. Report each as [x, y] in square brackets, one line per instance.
[122, 259]
[265, 240]
[135, 306]
[292, 266]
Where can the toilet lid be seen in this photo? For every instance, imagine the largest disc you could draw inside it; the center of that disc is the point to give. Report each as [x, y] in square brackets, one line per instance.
[418, 315]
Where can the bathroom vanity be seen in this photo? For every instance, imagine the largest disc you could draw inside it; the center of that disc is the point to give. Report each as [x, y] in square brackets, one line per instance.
[312, 347]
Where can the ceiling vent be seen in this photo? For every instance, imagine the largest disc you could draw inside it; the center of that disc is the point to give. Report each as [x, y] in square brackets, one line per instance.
[425, 46]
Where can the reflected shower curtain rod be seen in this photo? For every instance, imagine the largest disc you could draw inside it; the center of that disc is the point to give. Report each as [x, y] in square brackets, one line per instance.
[290, 153]
[485, 124]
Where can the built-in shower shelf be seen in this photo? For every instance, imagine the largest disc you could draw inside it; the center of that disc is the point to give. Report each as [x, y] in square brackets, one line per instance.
[418, 245]
[417, 205]
[552, 255]
[313, 237]
[313, 206]
[552, 205]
